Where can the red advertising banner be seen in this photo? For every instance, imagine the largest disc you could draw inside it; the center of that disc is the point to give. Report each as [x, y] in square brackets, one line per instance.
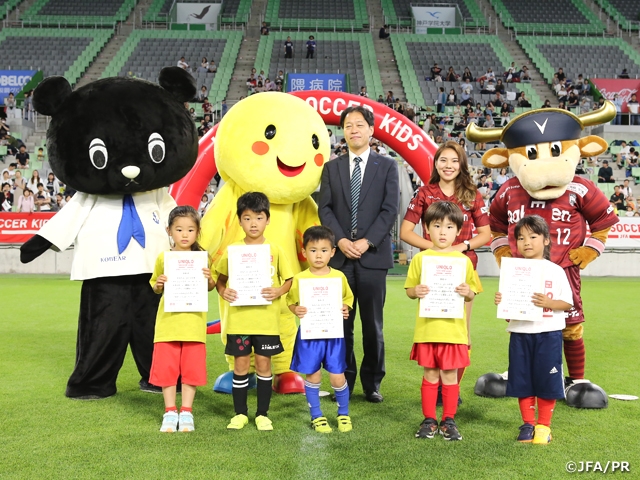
[20, 227]
[624, 88]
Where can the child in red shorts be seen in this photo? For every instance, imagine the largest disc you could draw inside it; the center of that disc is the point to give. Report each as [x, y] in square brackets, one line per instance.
[180, 337]
[440, 344]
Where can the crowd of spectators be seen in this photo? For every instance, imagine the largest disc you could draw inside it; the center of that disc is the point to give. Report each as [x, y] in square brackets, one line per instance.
[32, 193]
[469, 97]
[623, 200]
[572, 94]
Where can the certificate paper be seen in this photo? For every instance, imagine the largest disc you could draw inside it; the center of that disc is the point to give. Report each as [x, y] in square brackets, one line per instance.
[519, 280]
[323, 299]
[186, 286]
[249, 273]
[442, 275]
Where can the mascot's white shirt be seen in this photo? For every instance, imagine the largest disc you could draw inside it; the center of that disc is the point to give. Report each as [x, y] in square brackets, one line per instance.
[91, 222]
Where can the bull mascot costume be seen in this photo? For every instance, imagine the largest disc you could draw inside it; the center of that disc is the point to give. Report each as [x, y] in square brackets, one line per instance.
[543, 148]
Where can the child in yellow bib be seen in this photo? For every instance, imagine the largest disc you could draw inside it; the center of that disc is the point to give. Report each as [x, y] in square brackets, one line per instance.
[441, 345]
[254, 327]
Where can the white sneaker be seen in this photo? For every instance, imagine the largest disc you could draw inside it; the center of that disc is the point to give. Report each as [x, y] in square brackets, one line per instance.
[170, 422]
[186, 422]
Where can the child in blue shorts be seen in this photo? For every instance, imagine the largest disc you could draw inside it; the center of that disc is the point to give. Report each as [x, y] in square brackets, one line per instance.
[310, 355]
[535, 347]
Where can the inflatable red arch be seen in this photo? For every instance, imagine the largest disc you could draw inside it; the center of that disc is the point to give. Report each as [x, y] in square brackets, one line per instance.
[395, 130]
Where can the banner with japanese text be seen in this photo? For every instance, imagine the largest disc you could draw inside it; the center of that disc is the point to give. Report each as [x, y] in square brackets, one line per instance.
[332, 82]
[433, 17]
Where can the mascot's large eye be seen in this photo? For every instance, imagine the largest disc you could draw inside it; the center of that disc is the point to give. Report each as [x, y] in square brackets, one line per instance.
[532, 152]
[270, 132]
[556, 149]
[156, 148]
[98, 153]
[315, 141]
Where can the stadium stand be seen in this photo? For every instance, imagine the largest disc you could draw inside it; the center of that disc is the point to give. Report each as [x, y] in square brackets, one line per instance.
[625, 12]
[6, 6]
[317, 14]
[146, 52]
[350, 53]
[398, 12]
[67, 52]
[416, 54]
[159, 11]
[78, 12]
[233, 11]
[591, 56]
[548, 16]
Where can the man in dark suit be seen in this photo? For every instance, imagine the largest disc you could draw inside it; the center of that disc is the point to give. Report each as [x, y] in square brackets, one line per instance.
[370, 182]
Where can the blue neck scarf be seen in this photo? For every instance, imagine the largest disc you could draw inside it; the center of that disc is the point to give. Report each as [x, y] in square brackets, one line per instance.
[130, 225]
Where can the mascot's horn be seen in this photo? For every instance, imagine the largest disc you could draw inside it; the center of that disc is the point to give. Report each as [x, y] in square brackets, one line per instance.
[602, 115]
[597, 117]
[483, 135]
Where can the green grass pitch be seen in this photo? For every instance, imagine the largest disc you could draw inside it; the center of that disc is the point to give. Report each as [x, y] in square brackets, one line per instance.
[45, 435]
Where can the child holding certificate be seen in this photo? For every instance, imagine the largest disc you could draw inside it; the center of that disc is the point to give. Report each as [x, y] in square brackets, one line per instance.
[180, 337]
[328, 350]
[450, 180]
[441, 344]
[253, 326]
[535, 347]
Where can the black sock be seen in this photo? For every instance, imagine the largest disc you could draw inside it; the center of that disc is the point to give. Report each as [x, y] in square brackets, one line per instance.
[239, 392]
[264, 394]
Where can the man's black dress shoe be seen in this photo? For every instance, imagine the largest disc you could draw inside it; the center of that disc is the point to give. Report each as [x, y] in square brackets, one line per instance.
[374, 397]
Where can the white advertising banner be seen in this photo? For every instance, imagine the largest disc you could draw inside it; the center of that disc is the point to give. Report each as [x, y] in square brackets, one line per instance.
[433, 17]
[198, 13]
[625, 233]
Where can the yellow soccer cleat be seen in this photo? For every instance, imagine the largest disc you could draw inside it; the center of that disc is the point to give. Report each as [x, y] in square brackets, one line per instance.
[321, 425]
[542, 435]
[238, 422]
[344, 423]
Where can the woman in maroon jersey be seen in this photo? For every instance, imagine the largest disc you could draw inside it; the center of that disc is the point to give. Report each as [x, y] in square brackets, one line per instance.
[451, 181]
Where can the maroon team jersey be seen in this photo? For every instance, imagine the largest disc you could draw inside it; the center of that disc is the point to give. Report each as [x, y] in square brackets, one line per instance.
[474, 216]
[567, 216]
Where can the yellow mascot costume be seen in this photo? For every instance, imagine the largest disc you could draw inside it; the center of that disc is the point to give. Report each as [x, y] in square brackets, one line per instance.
[276, 144]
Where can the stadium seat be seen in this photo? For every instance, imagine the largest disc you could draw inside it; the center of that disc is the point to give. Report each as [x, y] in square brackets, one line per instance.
[67, 52]
[625, 12]
[416, 55]
[544, 16]
[77, 12]
[595, 57]
[350, 53]
[319, 14]
[146, 52]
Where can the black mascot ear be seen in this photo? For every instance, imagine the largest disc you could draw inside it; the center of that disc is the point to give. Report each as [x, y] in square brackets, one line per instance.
[50, 94]
[178, 82]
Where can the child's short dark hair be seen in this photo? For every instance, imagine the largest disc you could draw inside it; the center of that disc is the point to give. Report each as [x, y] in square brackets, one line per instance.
[317, 233]
[443, 211]
[257, 202]
[536, 224]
